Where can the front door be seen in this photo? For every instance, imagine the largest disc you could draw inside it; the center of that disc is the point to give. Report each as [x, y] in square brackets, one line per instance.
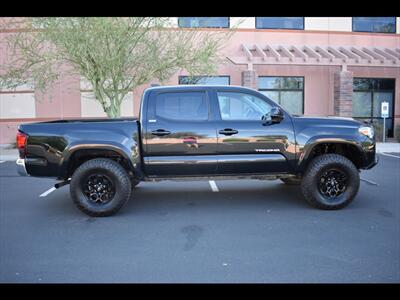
[179, 137]
[247, 142]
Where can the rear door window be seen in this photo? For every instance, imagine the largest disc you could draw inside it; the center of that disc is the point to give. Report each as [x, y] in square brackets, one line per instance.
[182, 106]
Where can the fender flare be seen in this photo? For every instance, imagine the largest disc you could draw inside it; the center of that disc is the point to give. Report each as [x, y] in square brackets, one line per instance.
[308, 147]
[133, 160]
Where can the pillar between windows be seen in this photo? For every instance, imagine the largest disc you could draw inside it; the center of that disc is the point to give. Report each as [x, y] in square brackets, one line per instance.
[249, 79]
[343, 93]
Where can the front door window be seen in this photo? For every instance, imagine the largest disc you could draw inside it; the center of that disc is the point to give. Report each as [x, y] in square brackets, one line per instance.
[241, 106]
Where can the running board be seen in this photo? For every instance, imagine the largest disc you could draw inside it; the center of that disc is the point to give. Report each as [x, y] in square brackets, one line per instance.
[221, 177]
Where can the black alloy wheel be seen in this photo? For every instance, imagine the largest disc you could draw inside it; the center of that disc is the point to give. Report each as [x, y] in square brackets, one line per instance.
[100, 187]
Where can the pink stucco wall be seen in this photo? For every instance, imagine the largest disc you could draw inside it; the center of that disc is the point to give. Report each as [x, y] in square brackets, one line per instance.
[318, 93]
[62, 101]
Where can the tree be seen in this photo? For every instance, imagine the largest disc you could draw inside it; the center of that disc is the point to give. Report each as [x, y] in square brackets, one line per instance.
[114, 55]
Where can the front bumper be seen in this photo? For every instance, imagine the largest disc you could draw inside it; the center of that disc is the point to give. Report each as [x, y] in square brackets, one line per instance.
[21, 167]
[373, 163]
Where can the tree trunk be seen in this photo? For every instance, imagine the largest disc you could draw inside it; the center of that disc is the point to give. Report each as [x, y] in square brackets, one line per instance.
[114, 111]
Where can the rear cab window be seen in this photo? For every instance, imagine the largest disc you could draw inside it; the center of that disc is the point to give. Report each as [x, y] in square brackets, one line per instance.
[182, 106]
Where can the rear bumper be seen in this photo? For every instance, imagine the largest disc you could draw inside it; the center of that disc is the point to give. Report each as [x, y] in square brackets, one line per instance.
[21, 167]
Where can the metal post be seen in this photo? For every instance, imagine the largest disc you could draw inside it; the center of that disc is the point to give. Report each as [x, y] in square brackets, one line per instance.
[384, 129]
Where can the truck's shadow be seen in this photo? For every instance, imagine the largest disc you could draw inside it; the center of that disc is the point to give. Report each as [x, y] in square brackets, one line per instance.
[155, 199]
[148, 198]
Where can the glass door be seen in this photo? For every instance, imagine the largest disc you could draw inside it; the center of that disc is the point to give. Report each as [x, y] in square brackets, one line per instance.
[368, 95]
[377, 99]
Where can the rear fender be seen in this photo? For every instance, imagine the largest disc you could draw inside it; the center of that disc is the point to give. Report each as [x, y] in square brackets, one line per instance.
[131, 155]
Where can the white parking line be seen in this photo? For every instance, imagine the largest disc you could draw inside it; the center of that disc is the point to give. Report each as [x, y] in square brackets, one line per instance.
[386, 154]
[1, 161]
[213, 186]
[368, 181]
[48, 192]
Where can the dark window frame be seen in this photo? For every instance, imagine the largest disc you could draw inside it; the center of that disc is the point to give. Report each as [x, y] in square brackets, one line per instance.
[303, 25]
[180, 25]
[283, 90]
[181, 76]
[372, 91]
[395, 27]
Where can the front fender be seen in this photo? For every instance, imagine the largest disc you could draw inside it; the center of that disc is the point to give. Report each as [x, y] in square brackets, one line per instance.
[305, 149]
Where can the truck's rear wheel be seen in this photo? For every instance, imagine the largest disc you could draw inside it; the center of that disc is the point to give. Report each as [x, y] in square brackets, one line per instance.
[100, 187]
[330, 182]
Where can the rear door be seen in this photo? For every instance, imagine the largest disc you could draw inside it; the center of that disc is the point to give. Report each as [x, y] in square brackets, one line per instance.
[179, 136]
[246, 143]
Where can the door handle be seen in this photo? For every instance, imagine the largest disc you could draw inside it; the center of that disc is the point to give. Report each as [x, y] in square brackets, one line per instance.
[228, 131]
[160, 132]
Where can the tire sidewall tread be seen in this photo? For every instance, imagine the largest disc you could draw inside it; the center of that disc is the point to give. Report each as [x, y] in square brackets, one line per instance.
[121, 181]
[309, 185]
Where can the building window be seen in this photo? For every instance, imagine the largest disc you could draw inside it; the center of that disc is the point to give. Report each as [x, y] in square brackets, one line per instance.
[374, 24]
[210, 80]
[286, 91]
[205, 22]
[280, 23]
[18, 103]
[368, 94]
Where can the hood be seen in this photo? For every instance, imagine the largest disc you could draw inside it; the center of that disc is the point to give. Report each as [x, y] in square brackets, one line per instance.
[328, 120]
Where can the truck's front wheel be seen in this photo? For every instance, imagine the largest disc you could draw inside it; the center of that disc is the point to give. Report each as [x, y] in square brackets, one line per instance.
[330, 182]
[100, 187]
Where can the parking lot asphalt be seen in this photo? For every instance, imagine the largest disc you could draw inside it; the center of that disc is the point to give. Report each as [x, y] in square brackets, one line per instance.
[245, 231]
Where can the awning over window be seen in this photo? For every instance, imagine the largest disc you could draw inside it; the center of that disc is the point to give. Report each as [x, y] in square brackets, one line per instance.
[266, 54]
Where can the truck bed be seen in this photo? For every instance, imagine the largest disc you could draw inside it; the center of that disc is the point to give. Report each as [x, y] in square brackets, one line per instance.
[51, 144]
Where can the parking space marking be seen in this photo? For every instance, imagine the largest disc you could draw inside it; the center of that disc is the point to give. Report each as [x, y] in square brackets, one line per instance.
[213, 186]
[1, 161]
[368, 181]
[386, 154]
[48, 192]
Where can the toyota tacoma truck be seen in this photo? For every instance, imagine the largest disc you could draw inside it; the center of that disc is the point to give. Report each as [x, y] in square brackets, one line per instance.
[196, 132]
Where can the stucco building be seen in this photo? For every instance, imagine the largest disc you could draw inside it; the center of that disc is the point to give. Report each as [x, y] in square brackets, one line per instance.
[343, 66]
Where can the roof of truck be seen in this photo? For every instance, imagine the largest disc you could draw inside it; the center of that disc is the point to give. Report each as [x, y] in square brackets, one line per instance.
[197, 86]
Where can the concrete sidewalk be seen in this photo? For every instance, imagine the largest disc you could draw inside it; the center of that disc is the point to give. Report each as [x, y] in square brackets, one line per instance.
[387, 147]
[7, 154]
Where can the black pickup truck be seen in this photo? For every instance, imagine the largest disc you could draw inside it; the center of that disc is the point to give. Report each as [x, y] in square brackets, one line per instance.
[198, 132]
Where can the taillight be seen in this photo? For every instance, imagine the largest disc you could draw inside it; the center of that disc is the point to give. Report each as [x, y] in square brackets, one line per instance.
[21, 142]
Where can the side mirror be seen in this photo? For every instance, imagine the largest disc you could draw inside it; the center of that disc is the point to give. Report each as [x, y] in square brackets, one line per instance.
[276, 114]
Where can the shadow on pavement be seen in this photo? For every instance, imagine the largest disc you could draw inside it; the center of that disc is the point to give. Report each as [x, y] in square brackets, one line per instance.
[178, 197]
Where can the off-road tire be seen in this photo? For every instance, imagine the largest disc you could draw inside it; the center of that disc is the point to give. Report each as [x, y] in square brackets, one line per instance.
[119, 178]
[291, 181]
[312, 176]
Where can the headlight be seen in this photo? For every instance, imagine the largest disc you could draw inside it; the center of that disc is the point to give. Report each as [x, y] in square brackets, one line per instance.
[368, 131]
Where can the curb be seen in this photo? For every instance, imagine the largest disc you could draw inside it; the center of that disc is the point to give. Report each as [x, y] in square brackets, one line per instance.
[8, 157]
